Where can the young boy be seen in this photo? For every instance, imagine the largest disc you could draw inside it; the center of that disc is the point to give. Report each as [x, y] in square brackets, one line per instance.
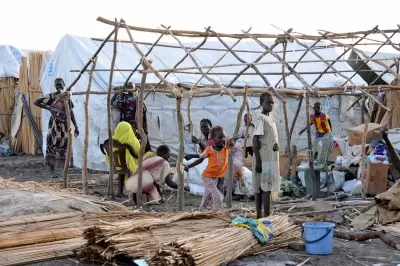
[266, 157]
[320, 120]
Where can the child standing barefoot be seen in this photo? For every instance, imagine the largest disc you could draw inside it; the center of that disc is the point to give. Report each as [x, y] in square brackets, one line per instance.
[217, 165]
[266, 156]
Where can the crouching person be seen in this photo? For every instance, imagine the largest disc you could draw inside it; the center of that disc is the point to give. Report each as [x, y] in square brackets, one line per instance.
[156, 172]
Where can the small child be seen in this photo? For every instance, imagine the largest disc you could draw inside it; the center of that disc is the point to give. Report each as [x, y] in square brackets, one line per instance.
[217, 165]
[321, 122]
[249, 141]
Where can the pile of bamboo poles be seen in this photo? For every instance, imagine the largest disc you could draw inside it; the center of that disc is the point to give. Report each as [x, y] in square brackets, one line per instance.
[143, 238]
[225, 245]
[55, 189]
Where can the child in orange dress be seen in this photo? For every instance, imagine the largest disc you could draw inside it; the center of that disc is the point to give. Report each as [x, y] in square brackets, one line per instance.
[217, 165]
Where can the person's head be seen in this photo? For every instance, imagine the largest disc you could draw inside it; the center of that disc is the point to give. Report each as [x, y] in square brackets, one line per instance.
[267, 102]
[124, 132]
[205, 125]
[317, 108]
[217, 134]
[164, 152]
[247, 117]
[59, 84]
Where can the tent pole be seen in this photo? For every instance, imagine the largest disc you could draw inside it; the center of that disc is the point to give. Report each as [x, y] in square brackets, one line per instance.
[310, 150]
[143, 136]
[86, 140]
[69, 136]
[181, 191]
[230, 160]
[285, 115]
[109, 116]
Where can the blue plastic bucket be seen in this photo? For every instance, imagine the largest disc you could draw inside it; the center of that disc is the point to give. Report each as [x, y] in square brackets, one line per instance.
[318, 237]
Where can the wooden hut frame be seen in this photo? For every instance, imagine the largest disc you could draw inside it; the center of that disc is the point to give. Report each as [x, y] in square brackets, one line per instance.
[182, 92]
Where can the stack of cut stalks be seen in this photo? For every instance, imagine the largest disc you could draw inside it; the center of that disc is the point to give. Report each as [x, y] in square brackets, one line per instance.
[225, 245]
[55, 189]
[143, 238]
[35, 238]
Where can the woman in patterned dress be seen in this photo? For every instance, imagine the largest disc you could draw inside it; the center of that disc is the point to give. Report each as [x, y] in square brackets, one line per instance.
[57, 138]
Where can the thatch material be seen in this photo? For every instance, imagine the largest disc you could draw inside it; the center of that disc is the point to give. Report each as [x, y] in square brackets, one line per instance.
[29, 85]
[7, 105]
[55, 189]
[224, 245]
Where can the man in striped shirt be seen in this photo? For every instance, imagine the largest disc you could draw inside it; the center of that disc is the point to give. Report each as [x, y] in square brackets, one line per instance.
[320, 120]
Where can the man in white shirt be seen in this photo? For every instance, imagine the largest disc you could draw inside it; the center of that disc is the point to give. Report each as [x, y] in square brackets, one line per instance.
[249, 141]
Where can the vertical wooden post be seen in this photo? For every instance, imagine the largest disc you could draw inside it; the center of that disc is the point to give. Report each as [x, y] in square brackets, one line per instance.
[191, 132]
[86, 140]
[181, 191]
[246, 134]
[228, 198]
[69, 136]
[143, 136]
[310, 150]
[366, 116]
[285, 115]
[109, 116]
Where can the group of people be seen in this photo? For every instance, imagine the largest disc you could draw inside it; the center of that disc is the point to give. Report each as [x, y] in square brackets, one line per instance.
[262, 143]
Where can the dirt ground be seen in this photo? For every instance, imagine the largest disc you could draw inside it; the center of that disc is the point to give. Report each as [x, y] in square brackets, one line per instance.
[374, 252]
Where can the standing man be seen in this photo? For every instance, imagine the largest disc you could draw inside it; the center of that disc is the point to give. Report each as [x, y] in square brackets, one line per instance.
[321, 122]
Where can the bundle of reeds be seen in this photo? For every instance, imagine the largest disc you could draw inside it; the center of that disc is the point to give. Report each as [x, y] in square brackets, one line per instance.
[224, 245]
[142, 238]
[39, 252]
[55, 189]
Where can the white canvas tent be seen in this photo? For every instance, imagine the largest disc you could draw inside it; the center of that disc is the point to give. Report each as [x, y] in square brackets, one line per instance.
[73, 52]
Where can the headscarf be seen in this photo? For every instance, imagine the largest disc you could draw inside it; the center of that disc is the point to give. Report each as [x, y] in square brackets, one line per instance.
[124, 134]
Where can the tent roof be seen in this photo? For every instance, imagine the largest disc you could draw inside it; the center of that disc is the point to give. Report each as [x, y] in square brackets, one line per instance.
[10, 60]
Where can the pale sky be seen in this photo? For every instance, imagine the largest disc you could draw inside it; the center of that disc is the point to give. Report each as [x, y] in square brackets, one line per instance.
[40, 24]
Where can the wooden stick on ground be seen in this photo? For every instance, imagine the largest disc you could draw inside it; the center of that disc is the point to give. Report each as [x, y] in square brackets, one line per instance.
[181, 191]
[86, 140]
[109, 116]
[143, 136]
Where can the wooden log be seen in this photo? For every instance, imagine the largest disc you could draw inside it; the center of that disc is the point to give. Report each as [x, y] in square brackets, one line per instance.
[186, 55]
[181, 191]
[365, 56]
[310, 150]
[143, 136]
[69, 145]
[91, 59]
[86, 140]
[138, 65]
[194, 34]
[258, 72]
[174, 90]
[363, 236]
[230, 160]
[338, 58]
[223, 88]
[296, 115]
[109, 115]
[285, 115]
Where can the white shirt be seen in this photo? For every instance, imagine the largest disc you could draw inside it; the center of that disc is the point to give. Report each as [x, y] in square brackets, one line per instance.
[249, 142]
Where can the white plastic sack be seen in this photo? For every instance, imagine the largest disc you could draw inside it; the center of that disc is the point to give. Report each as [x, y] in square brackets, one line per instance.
[352, 186]
[335, 181]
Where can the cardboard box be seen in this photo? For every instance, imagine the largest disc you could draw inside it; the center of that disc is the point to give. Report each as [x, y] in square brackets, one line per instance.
[376, 178]
[355, 134]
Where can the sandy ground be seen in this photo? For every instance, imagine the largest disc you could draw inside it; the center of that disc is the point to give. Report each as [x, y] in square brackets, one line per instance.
[24, 168]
